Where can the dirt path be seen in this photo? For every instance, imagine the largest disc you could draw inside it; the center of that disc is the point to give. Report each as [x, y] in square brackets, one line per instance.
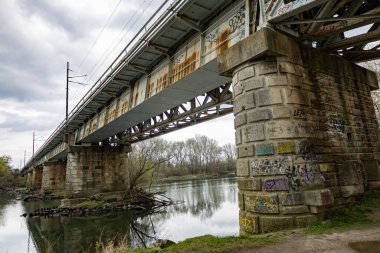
[333, 243]
[363, 240]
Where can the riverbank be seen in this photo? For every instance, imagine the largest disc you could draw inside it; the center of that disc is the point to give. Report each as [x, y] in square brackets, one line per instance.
[352, 229]
[173, 179]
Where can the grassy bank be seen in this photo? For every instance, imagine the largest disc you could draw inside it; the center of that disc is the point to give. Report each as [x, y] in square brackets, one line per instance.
[359, 215]
[355, 215]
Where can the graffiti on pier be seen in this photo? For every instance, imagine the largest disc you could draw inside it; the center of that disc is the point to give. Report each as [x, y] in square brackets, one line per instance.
[276, 184]
[300, 113]
[248, 223]
[270, 166]
[262, 203]
[308, 172]
[301, 175]
[336, 122]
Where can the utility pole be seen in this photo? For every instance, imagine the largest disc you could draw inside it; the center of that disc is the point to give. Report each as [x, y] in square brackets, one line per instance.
[68, 77]
[67, 104]
[24, 157]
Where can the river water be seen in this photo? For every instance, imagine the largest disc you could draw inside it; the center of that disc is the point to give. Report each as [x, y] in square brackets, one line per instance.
[209, 207]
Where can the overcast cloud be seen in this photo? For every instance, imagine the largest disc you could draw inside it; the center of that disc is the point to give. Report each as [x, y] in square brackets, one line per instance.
[37, 38]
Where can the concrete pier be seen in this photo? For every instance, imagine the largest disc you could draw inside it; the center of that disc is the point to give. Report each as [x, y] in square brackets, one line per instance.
[95, 169]
[306, 131]
[53, 176]
[34, 178]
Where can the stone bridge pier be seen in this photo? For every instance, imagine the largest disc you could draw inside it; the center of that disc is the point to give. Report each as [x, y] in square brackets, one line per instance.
[95, 169]
[306, 131]
[53, 176]
[34, 178]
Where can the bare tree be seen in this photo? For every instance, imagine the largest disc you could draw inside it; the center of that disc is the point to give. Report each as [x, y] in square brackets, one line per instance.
[229, 154]
[145, 157]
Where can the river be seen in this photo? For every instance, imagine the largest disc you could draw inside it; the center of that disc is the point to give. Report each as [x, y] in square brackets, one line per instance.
[209, 207]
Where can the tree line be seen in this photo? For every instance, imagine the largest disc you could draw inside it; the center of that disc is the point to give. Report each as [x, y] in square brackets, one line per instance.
[159, 158]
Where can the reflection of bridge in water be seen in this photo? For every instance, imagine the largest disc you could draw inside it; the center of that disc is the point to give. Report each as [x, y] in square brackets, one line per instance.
[82, 234]
[75, 234]
[305, 125]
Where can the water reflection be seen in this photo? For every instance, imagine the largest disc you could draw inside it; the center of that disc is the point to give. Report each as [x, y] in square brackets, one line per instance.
[14, 234]
[78, 234]
[209, 207]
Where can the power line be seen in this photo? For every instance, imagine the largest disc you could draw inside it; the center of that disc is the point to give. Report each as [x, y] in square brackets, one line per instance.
[100, 33]
[93, 45]
[107, 54]
[90, 74]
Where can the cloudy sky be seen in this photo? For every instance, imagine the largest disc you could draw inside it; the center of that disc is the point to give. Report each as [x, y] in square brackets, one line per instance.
[38, 37]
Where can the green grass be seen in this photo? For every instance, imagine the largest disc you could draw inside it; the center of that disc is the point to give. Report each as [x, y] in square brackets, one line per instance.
[209, 243]
[349, 217]
[60, 194]
[89, 204]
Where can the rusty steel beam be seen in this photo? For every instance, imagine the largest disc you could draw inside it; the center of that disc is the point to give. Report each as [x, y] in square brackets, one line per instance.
[353, 41]
[187, 114]
[370, 17]
[347, 24]
[324, 12]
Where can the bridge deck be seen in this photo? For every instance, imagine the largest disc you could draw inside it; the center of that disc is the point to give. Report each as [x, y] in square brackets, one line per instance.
[174, 60]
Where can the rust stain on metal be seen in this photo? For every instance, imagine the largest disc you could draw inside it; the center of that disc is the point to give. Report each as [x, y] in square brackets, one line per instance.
[150, 90]
[222, 41]
[162, 82]
[111, 116]
[124, 106]
[186, 67]
[136, 97]
[93, 127]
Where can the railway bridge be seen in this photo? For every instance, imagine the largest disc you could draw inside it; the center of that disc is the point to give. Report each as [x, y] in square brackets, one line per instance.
[306, 130]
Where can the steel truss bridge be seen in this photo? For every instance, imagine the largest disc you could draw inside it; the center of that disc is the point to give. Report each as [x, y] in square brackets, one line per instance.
[167, 78]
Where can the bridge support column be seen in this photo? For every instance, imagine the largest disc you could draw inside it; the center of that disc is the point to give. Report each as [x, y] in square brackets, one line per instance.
[34, 178]
[306, 131]
[29, 177]
[53, 176]
[96, 169]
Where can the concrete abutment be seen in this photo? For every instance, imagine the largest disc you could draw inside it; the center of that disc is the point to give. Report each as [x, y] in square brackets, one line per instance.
[306, 131]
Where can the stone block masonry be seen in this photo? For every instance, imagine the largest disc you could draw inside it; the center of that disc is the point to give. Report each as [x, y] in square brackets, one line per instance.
[34, 178]
[53, 176]
[96, 169]
[305, 131]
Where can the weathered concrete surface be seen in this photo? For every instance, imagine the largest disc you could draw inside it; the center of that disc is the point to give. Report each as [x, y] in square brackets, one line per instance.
[306, 131]
[96, 169]
[53, 176]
